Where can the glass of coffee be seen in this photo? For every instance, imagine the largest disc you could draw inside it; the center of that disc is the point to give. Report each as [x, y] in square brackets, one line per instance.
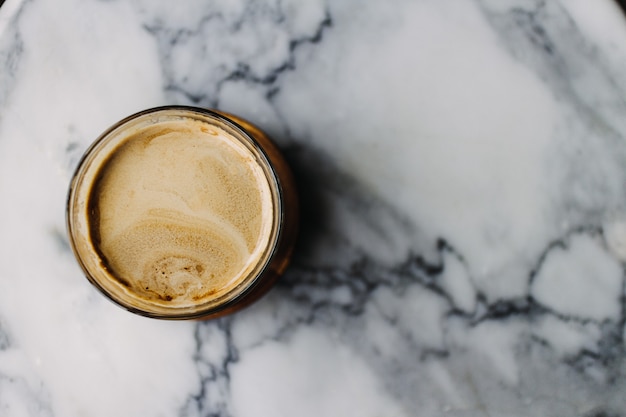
[182, 213]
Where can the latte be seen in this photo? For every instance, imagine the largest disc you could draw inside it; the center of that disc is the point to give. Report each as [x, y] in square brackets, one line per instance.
[175, 212]
[182, 211]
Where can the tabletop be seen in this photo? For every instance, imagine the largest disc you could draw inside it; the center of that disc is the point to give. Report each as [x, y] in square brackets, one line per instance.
[461, 171]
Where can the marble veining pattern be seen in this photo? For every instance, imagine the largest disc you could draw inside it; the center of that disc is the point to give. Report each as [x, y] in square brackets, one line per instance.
[461, 166]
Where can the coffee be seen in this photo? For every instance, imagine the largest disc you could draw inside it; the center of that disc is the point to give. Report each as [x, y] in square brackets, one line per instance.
[177, 212]
[182, 211]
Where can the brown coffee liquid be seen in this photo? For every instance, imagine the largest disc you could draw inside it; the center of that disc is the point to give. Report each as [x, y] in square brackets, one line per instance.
[181, 211]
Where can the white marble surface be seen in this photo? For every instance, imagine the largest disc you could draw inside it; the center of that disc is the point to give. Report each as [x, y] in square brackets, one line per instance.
[463, 179]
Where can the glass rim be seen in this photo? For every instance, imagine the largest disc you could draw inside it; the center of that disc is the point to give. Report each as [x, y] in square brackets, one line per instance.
[248, 284]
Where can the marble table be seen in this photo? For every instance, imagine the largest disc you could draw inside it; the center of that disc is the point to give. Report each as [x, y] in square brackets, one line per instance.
[462, 171]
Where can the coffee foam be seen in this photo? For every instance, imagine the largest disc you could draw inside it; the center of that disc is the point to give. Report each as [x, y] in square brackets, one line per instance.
[182, 212]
